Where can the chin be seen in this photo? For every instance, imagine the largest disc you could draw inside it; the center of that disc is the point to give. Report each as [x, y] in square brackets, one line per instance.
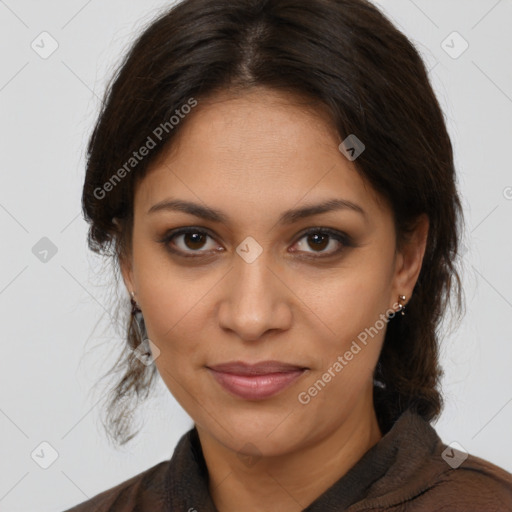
[256, 432]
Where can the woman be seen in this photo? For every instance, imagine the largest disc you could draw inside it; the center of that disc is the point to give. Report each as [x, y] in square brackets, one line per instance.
[276, 184]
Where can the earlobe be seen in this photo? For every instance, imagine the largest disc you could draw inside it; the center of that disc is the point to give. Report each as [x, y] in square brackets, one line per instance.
[410, 258]
[124, 256]
[127, 274]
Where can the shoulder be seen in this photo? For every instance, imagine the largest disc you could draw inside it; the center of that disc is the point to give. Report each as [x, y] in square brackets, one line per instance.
[145, 490]
[424, 474]
[474, 485]
[458, 482]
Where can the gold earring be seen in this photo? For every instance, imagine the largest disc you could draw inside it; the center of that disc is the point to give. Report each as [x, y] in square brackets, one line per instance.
[401, 303]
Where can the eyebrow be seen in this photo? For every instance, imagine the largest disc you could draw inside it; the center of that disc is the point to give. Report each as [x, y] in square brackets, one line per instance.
[288, 217]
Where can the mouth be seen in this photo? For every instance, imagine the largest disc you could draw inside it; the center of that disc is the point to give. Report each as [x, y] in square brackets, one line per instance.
[256, 381]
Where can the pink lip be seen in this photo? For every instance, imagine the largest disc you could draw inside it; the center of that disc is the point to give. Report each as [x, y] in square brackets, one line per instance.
[255, 381]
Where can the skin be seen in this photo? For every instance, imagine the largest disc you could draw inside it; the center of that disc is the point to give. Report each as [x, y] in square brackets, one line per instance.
[254, 156]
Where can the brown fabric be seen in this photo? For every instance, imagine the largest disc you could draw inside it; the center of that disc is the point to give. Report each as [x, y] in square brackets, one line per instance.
[403, 472]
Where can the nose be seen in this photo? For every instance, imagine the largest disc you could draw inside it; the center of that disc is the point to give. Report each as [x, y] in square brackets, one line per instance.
[256, 300]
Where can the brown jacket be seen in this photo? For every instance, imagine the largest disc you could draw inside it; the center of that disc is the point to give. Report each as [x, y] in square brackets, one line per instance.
[409, 469]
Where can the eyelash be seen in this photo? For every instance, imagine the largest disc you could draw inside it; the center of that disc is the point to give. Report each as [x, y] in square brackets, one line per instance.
[340, 237]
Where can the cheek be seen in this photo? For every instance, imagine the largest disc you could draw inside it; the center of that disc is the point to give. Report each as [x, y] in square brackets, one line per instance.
[173, 313]
[350, 309]
[171, 299]
[349, 300]
[174, 316]
[348, 351]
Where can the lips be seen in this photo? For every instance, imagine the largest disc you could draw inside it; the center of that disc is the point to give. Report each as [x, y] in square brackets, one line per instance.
[255, 381]
[261, 368]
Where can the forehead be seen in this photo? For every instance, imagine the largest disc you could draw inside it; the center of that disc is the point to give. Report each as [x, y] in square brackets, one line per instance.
[259, 151]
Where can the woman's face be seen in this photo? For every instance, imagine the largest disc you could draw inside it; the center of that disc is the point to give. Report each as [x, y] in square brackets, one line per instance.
[263, 282]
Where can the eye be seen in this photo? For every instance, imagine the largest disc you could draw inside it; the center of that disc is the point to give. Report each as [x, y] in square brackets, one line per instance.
[188, 241]
[196, 242]
[323, 241]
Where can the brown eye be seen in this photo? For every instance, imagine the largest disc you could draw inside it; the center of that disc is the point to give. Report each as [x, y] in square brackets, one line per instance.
[324, 242]
[194, 241]
[189, 242]
[318, 241]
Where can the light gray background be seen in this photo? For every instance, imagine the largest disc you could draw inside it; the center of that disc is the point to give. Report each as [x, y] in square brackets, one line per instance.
[51, 357]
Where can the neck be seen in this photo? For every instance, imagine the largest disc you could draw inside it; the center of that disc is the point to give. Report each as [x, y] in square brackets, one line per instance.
[291, 481]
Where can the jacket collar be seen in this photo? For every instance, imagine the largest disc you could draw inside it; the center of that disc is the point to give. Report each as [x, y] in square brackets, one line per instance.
[394, 469]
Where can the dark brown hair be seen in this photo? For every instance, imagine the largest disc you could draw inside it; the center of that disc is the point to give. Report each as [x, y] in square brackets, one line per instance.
[344, 54]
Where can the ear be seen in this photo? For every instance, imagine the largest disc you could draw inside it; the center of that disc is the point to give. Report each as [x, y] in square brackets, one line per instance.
[125, 264]
[409, 258]
[124, 258]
